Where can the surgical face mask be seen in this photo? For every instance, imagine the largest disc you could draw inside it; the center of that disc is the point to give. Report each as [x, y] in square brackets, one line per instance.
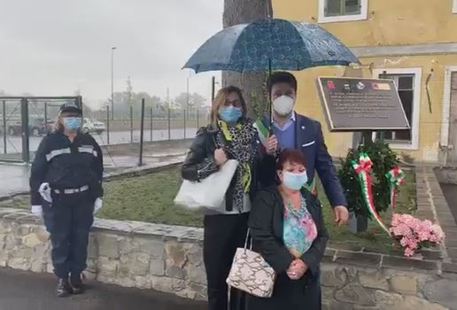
[294, 181]
[72, 123]
[283, 105]
[230, 114]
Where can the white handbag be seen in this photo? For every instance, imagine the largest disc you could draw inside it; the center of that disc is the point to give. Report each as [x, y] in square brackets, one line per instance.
[209, 192]
[250, 273]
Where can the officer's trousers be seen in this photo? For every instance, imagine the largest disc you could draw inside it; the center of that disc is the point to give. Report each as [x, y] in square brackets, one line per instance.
[68, 220]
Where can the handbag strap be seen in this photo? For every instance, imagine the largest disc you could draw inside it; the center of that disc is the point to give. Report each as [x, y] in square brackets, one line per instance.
[246, 240]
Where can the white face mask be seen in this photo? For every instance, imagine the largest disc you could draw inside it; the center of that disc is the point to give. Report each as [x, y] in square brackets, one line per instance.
[283, 105]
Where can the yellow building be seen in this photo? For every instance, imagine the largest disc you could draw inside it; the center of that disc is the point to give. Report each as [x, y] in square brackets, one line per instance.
[413, 42]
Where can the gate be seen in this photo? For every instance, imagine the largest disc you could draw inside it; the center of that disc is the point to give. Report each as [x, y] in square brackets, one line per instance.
[23, 123]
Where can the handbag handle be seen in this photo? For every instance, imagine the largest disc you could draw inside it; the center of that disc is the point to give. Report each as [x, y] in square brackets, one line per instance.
[246, 240]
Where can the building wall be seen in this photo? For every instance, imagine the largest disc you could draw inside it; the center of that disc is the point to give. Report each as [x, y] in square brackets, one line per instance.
[420, 23]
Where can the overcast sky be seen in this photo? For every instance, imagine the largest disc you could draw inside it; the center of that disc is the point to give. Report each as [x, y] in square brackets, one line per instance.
[54, 47]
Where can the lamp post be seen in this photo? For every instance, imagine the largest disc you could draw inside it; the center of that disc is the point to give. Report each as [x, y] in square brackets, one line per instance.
[112, 82]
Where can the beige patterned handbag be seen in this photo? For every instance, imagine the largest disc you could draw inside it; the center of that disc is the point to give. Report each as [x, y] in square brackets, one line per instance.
[250, 273]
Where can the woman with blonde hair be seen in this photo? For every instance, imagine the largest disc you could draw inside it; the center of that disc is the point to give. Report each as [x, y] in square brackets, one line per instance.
[231, 135]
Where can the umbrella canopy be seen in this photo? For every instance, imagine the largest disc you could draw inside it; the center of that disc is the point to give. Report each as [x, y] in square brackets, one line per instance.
[273, 44]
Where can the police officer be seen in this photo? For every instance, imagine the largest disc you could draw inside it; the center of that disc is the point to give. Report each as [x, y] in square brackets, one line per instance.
[66, 189]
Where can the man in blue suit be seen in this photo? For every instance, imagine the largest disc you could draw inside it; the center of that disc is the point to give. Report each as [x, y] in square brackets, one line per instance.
[296, 131]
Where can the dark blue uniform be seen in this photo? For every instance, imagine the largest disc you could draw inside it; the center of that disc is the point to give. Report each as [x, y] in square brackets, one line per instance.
[74, 171]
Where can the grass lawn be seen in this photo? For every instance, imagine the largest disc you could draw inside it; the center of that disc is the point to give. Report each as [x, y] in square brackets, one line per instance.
[149, 198]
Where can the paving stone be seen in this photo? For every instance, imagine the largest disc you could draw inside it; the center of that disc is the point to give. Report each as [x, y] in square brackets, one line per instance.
[355, 294]
[449, 267]
[108, 245]
[375, 280]
[332, 276]
[416, 303]
[329, 252]
[347, 247]
[451, 241]
[387, 299]
[443, 291]
[409, 264]
[447, 221]
[348, 258]
[431, 255]
[404, 284]
[450, 230]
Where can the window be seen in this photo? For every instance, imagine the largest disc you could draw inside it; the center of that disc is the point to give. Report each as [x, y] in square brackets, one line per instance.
[408, 83]
[342, 10]
[454, 6]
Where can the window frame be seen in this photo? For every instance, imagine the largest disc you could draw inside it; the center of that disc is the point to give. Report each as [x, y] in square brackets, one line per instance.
[343, 18]
[417, 86]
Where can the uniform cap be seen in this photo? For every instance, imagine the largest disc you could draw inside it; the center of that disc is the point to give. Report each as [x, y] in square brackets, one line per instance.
[70, 107]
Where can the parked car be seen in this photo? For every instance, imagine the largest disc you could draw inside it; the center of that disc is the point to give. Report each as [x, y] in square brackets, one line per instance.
[93, 126]
[37, 127]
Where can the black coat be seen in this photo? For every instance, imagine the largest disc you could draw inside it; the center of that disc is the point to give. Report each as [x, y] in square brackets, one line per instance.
[200, 162]
[65, 164]
[266, 225]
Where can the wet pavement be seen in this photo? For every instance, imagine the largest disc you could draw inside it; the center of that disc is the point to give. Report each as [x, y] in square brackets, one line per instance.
[14, 143]
[450, 192]
[25, 290]
[13, 178]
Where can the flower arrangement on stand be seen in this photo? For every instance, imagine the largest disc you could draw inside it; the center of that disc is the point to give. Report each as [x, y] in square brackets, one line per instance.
[413, 233]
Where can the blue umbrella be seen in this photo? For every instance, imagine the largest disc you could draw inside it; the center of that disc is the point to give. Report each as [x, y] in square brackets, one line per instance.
[273, 44]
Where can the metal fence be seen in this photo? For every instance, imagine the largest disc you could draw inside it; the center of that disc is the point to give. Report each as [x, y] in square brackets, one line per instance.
[25, 120]
[173, 125]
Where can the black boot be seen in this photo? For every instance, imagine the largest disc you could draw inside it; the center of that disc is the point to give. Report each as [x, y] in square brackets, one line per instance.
[63, 288]
[76, 283]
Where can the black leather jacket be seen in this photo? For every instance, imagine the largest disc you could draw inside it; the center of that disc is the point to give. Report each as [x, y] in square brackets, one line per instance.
[200, 162]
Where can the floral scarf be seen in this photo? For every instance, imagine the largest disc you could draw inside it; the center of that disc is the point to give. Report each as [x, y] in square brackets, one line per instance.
[238, 142]
[299, 229]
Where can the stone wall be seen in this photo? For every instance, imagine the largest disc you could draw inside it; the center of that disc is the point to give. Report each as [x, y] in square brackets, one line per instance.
[130, 254]
[357, 287]
[169, 259]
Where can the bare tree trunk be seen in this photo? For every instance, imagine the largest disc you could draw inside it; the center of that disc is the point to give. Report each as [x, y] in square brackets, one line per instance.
[252, 84]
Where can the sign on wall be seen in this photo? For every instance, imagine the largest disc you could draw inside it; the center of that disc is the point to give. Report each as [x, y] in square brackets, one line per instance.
[356, 104]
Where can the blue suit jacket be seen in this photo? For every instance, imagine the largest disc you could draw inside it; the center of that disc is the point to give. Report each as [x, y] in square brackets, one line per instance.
[310, 140]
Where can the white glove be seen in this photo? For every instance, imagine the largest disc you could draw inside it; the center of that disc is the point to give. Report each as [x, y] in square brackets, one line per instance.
[45, 192]
[98, 204]
[37, 210]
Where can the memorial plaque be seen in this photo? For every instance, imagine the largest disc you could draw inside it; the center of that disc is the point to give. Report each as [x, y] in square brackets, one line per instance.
[355, 104]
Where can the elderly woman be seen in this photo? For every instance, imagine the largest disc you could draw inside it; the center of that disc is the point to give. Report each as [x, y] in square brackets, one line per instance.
[287, 229]
[231, 135]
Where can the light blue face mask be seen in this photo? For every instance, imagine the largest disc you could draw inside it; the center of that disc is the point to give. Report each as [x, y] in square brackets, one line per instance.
[72, 123]
[294, 181]
[230, 114]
